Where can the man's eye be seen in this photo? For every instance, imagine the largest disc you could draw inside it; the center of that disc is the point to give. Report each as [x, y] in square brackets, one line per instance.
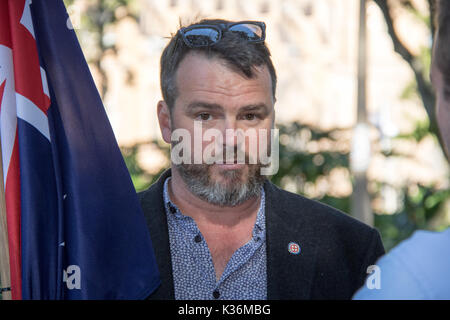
[204, 116]
[250, 116]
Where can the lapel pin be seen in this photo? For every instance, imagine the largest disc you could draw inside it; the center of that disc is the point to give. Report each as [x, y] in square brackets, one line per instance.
[294, 248]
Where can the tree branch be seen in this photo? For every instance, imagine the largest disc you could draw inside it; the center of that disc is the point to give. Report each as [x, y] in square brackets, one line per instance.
[424, 87]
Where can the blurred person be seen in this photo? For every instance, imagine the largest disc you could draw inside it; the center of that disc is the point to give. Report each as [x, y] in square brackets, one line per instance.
[221, 230]
[419, 267]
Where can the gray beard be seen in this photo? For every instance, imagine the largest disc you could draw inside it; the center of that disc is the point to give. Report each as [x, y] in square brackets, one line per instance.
[236, 191]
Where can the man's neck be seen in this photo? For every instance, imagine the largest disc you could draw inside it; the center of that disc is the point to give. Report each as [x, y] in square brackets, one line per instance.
[203, 211]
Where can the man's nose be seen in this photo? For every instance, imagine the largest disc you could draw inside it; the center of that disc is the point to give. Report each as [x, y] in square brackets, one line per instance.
[230, 132]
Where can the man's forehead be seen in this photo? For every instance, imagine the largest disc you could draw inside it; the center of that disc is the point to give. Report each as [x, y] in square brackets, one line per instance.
[205, 60]
[198, 68]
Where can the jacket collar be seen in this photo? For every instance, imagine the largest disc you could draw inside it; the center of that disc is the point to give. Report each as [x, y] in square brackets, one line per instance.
[153, 206]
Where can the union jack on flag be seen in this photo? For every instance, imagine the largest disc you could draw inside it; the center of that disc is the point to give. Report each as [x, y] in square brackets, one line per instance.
[75, 226]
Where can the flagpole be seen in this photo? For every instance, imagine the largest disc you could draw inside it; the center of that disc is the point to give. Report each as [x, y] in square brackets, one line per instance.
[5, 279]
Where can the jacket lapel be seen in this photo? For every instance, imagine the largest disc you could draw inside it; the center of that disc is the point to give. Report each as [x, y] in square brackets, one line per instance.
[155, 215]
[289, 276]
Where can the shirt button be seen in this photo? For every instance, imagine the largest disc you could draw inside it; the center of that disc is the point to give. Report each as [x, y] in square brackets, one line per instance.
[216, 294]
[198, 238]
[172, 208]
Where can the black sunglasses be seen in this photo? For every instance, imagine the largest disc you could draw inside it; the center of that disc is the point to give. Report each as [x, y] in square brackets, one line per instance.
[203, 35]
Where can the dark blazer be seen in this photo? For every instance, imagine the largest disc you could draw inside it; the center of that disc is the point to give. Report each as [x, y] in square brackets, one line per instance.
[336, 249]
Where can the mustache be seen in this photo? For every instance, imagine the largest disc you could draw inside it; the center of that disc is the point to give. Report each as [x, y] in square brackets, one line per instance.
[232, 155]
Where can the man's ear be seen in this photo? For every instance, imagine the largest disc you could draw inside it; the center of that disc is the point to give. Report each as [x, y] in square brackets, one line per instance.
[164, 121]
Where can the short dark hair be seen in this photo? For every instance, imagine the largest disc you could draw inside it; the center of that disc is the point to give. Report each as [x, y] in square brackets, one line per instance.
[237, 53]
[442, 50]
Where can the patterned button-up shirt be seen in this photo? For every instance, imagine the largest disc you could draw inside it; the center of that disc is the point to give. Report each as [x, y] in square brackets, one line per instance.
[245, 276]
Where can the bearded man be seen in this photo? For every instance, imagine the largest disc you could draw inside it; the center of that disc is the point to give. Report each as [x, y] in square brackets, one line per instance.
[220, 229]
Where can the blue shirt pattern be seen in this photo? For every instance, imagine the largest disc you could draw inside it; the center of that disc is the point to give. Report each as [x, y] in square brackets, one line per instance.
[244, 277]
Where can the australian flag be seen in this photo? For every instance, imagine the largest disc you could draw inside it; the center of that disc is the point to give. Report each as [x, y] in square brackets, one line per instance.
[75, 225]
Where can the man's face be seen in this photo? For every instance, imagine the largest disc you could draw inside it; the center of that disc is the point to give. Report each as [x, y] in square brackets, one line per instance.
[442, 102]
[219, 98]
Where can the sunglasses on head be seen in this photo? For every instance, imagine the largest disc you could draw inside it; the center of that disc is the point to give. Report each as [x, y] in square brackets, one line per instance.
[204, 35]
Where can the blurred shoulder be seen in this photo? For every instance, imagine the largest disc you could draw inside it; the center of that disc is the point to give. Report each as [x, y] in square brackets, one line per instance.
[425, 243]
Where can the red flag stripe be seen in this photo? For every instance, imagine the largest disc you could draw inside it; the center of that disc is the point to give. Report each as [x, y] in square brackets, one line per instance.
[2, 89]
[5, 37]
[12, 200]
[27, 71]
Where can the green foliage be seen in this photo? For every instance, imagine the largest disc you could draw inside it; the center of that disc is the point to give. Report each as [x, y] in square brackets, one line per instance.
[410, 91]
[421, 207]
[421, 130]
[424, 18]
[425, 58]
[299, 163]
[141, 179]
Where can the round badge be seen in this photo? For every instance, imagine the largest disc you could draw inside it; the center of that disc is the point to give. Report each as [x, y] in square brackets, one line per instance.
[294, 248]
